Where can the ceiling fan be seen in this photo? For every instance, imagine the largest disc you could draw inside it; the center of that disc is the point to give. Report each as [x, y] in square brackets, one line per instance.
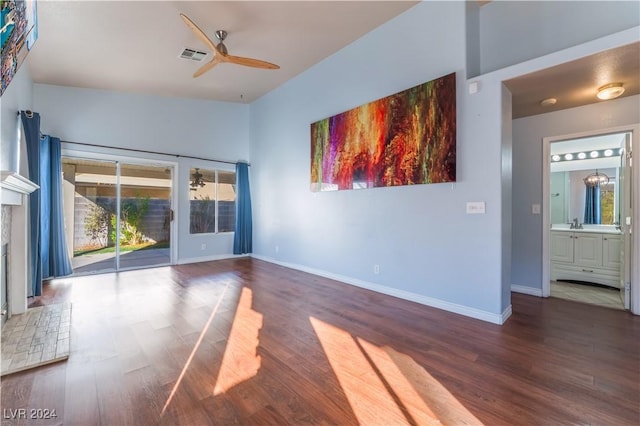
[220, 51]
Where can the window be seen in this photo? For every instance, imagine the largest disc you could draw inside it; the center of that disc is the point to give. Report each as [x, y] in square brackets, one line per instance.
[212, 199]
[608, 203]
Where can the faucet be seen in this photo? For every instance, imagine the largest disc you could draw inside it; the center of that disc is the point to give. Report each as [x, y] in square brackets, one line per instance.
[575, 224]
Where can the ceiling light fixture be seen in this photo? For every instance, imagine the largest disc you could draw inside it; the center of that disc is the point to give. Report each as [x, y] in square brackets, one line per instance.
[548, 102]
[610, 91]
[197, 180]
[583, 155]
[596, 179]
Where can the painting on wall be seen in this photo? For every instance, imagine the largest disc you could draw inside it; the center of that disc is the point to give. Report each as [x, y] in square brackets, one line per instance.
[404, 139]
[19, 33]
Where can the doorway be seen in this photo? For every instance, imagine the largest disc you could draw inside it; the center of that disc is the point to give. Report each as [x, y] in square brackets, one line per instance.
[587, 238]
[118, 214]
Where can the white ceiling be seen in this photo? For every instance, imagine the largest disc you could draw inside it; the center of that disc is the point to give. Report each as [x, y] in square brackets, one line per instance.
[134, 46]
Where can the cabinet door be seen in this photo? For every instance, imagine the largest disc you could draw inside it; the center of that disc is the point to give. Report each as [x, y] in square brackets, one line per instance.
[611, 250]
[562, 246]
[588, 249]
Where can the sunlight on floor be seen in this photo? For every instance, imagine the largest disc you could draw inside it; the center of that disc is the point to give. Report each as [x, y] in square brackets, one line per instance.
[240, 361]
[195, 349]
[384, 386]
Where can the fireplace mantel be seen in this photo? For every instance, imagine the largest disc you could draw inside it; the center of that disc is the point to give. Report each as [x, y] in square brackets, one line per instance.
[14, 189]
[14, 186]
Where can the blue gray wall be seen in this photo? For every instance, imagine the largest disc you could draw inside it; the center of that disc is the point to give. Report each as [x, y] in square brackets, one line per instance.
[18, 96]
[425, 244]
[515, 31]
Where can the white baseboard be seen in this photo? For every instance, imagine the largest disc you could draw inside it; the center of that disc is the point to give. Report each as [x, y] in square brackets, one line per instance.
[209, 258]
[532, 291]
[506, 314]
[413, 297]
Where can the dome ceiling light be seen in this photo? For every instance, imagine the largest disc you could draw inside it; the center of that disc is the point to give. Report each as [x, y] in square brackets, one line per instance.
[548, 102]
[610, 91]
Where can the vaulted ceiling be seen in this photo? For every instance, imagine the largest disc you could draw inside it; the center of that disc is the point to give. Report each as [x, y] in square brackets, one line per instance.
[135, 46]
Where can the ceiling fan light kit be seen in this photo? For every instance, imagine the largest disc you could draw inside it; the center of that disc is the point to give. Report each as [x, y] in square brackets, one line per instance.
[220, 52]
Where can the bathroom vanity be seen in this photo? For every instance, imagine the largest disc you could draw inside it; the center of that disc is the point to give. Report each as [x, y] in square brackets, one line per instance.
[590, 254]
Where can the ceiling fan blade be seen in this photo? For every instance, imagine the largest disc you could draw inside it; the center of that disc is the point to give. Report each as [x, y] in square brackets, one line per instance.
[206, 67]
[201, 35]
[249, 62]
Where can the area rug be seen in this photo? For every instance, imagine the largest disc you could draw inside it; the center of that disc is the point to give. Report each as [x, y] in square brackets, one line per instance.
[39, 336]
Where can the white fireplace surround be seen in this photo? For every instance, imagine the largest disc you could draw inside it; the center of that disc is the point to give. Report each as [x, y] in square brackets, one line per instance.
[14, 190]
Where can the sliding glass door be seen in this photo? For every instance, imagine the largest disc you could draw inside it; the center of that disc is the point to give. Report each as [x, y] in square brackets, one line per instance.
[145, 216]
[118, 215]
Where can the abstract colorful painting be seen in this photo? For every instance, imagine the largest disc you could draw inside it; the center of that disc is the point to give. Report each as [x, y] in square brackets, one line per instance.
[404, 139]
[19, 33]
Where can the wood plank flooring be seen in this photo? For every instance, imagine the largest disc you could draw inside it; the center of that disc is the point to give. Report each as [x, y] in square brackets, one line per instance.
[243, 341]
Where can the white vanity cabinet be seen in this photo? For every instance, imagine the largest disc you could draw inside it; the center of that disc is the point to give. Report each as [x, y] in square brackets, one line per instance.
[586, 256]
[611, 251]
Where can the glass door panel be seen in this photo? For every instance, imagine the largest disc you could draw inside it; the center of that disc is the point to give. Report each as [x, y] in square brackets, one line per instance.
[145, 215]
[89, 191]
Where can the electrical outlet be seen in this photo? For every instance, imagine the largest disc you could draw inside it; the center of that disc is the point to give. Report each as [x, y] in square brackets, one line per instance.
[376, 269]
[203, 246]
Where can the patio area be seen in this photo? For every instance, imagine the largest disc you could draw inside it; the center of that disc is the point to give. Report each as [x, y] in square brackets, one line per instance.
[95, 263]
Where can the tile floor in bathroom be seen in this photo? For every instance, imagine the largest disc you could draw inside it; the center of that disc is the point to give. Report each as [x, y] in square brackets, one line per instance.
[608, 297]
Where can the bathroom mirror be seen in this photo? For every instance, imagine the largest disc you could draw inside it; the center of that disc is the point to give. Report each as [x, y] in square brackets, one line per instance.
[569, 195]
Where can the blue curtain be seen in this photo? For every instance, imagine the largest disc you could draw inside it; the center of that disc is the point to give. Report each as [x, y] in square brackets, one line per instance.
[45, 204]
[31, 126]
[592, 214]
[48, 252]
[59, 263]
[242, 241]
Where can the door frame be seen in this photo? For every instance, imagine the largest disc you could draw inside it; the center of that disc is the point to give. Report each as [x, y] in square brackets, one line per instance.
[634, 129]
[124, 156]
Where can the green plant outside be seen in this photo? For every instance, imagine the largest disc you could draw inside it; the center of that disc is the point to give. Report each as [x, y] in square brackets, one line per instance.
[132, 213]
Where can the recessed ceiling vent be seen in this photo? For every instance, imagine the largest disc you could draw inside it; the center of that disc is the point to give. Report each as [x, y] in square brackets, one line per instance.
[194, 55]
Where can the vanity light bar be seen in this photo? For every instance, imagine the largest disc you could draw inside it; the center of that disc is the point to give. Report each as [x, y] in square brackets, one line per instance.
[584, 155]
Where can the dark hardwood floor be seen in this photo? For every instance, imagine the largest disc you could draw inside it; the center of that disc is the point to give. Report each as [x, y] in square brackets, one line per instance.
[246, 342]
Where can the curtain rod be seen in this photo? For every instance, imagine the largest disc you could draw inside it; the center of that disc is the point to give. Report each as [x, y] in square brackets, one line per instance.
[144, 151]
[28, 112]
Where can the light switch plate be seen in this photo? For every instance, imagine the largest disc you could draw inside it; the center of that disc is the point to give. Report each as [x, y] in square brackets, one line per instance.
[535, 208]
[475, 207]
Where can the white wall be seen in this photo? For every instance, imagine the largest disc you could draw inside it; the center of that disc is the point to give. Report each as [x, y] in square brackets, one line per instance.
[209, 129]
[515, 31]
[427, 247]
[527, 174]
